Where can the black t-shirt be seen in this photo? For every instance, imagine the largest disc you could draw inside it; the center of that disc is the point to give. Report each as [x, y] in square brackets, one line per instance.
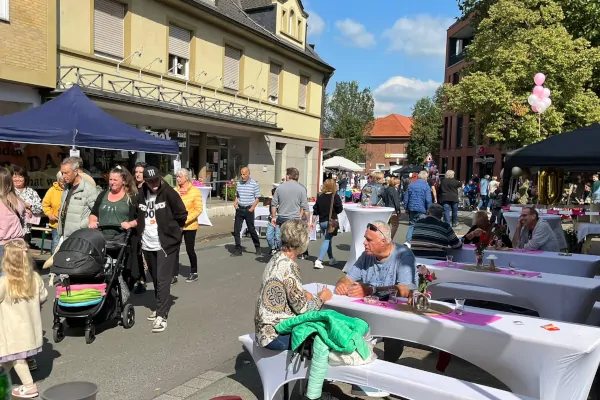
[63, 215]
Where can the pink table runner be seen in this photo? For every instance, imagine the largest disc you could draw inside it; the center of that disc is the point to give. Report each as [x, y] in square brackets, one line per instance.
[467, 318]
[524, 274]
[472, 247]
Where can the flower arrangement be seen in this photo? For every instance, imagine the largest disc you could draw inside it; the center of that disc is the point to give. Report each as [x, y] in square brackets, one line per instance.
[479, 249]
[498, 232]
[425, 277]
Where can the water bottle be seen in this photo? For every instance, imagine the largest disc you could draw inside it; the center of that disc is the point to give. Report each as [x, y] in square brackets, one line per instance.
[5, 384]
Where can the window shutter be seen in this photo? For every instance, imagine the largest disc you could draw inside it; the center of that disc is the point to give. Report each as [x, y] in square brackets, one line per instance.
[109, 27]
[232, 68]
[274, 80]
[5, 10]
[303, 90]
[179, 42]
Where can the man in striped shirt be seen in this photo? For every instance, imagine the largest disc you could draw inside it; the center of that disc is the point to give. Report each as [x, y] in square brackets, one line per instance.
[432, 236]
[246, 200]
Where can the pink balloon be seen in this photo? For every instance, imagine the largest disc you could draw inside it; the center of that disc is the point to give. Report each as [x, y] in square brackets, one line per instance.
[538, 91]
[539, 79]
[534, 109]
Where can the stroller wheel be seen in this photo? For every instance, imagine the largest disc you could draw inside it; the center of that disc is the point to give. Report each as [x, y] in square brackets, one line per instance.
[58, 332]
[128, 316]
[90, 334]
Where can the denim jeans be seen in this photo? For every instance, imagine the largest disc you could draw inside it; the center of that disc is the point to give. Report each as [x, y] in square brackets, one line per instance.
[342, 194]
[55, 238]
[327, 242]
[413, 216]
[450, 205]
[281, 342]
[273, 236]
[484, 202]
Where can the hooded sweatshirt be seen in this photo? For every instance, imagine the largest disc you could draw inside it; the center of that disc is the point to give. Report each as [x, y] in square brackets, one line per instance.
[51, 203]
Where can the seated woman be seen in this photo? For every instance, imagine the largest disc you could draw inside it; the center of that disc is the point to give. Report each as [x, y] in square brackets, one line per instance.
[483, 231]
[281, 295]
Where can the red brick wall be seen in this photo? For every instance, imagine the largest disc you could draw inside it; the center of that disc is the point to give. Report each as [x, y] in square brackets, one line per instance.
[377, 148]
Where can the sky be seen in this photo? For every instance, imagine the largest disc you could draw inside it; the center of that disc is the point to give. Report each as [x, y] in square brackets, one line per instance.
[394, 47]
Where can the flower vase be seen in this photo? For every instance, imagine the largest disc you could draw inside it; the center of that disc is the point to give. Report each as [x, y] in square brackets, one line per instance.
[479, 259]
[421, 301]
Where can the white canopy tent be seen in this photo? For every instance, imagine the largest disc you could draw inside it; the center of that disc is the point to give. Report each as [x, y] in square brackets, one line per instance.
[342, 164]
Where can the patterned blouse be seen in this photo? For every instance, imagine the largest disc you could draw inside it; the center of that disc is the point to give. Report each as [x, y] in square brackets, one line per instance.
[281, 297]
[28, 195]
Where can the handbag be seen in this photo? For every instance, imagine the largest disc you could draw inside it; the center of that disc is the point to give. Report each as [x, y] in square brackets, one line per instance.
[333, 225]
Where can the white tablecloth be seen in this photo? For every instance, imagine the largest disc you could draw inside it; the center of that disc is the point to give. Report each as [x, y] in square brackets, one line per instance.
[557, 297]
[531, 361]
[203, 218]
[584, 265]
[553, 220]
[584, 229]
[359, 217]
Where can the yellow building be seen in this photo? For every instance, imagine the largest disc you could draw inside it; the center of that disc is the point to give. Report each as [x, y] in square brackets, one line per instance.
[27, 52]
[233, 80]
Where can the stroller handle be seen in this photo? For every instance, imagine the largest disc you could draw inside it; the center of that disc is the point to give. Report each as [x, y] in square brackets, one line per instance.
[117, 227]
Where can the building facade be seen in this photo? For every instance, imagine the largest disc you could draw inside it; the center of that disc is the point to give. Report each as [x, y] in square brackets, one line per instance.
[27, 52]
[234, 81]
[386, 145]
[463, 149]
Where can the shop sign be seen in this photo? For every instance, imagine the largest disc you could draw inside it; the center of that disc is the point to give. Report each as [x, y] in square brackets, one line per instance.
[480, 150]
[42, 162]
[180, 137]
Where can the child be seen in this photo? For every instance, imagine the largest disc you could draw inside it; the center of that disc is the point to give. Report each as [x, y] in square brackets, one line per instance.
[22, 293]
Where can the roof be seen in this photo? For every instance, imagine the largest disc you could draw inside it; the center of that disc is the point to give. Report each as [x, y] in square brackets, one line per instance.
[393, 125]
[230, 9]
[252, 4]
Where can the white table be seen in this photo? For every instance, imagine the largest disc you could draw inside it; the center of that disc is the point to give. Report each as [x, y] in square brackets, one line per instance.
[553, 220]
[343, 218]
[585, 265]
[531, 361]
[585, 228]
[557, 297]
[359, 217]
[203, 218]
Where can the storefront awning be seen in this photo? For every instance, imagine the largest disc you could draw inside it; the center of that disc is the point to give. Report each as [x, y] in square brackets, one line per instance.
[72, 119]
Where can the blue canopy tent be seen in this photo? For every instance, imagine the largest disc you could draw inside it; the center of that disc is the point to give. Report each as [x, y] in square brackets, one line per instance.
[72, 119]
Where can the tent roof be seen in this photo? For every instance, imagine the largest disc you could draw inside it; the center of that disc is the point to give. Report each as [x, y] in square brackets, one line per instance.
[73, 119]
[579, 149]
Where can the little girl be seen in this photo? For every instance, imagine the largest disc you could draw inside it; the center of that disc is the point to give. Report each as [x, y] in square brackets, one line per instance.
[22, 293]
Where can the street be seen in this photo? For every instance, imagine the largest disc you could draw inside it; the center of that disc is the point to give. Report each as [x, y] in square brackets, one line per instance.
[200, 345]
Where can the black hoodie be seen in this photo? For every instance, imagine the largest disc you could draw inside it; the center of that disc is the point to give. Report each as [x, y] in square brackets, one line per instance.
[170, 216]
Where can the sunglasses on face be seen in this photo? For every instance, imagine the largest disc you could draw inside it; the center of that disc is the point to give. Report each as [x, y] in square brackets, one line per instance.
[374, 228]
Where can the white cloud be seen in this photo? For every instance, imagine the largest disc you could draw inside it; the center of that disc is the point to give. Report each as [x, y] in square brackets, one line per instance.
[398, 94]
[316, 25]
[355, 34]
[421, 35]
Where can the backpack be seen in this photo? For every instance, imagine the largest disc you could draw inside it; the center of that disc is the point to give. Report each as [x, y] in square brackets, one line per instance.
[82, 255]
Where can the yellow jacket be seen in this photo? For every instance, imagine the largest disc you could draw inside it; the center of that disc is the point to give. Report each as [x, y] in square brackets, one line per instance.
[192, 200]
[51, 202]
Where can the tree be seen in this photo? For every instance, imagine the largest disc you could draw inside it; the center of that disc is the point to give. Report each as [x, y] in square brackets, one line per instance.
[350, 116]
[425, 134]
[514, 40]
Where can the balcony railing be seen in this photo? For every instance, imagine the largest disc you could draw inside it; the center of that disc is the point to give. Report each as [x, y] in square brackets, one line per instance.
[456, 58]
[165, 97]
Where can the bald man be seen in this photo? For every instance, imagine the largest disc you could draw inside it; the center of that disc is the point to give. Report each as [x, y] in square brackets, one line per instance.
[246, 199]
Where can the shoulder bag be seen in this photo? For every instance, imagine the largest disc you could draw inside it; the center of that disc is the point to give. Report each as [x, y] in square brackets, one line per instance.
[334, 225]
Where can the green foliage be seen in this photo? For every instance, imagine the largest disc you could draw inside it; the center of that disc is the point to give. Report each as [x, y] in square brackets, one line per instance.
[426, 129]
[228, 191]
[513, 41]
[350, 116]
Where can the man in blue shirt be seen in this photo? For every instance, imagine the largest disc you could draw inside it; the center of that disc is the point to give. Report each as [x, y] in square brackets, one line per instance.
[384, 265]
[483, 191]
[246, 199]
[417, 200]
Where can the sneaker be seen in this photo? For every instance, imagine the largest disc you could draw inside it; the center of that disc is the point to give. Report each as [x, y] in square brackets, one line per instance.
[407, 244]
[174, 281]
[160, 324]
[273, 252]
[318, 264]
[368, 391]
[25, 392]
[152, 316]
[32, 364]
[258, 253]
[140, 288]
[333, 261]
[192, 278]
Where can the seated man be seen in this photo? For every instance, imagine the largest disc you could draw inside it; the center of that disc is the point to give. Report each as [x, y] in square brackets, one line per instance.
[432, 236]
[533, 233]
[384, 265]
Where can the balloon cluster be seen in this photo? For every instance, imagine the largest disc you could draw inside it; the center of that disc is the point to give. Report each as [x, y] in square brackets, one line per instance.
[540, 99]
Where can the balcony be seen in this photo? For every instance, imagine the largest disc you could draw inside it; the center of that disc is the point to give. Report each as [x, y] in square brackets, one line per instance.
[456, 58]
[117, 87]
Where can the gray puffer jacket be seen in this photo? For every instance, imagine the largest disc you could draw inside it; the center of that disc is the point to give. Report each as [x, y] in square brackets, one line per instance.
[80, 207]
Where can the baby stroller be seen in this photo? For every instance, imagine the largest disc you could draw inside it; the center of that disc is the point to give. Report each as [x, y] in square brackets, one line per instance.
[86, 264]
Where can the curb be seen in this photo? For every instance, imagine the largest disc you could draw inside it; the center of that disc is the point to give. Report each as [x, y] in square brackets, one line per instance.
[215, 236]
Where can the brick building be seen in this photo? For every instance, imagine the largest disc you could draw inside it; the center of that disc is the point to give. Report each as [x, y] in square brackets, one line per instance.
[463, 149]
[386, 146]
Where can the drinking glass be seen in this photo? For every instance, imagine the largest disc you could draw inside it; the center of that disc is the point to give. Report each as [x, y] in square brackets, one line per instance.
[512, 268]
[320, 287]
[460, 306]
[393, 297]
[449, 261]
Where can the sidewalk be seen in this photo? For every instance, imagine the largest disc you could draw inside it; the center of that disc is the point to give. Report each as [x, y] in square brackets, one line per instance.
[222, 227]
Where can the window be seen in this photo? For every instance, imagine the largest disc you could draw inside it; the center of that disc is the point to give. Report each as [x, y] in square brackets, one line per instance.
[274, 74]
[362, 165]
[455, 78]
[446, 132]
[179, 51]
[4, 9]
[299, 31]
[231, 74]
[283, 20]
[458, 168]
[469, 168]
[380, 166]
[459, 132]
[291, 24]
[472, 133]
[109, 18]
[302, 101]
[307, 165]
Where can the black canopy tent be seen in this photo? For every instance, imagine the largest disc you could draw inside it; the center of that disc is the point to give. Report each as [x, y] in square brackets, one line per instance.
[407, 169]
